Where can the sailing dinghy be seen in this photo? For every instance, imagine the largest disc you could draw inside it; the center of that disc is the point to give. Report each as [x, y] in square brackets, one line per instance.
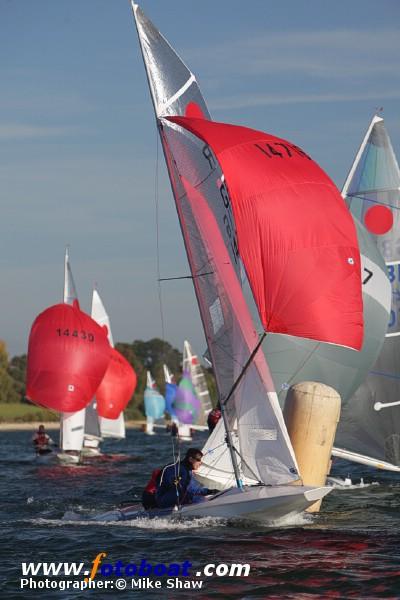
[68, 355]
[183, 429]
[191, 365]
[186, 406]
[154, 405]
[220, 176]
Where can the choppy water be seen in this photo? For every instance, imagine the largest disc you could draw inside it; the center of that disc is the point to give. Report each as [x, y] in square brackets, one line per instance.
[350, 550]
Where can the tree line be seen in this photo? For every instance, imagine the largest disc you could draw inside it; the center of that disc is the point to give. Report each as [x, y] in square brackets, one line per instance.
[143, 356]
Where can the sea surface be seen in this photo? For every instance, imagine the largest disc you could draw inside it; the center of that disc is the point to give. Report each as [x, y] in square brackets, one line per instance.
[351, 549]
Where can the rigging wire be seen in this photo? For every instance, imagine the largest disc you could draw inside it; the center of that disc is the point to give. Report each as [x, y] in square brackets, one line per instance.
[156, 202]
[177, 467]
[176, 455]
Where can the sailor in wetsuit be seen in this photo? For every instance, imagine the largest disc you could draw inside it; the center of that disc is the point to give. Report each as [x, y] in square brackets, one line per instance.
[173, 487]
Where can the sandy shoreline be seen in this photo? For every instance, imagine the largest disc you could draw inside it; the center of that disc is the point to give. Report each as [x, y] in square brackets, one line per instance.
[53, 425]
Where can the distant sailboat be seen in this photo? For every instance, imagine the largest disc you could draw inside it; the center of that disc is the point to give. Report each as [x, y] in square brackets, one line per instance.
[210, 166]
[184, 430]
[191, 365]
[170, 392]
[369, 427]
[154, 404]
[68, 355]
[187, 406]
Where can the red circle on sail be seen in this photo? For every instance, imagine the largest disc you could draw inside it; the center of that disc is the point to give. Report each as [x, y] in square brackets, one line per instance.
[116, 388]
[378, 219]
[194, 111]
[68, 354]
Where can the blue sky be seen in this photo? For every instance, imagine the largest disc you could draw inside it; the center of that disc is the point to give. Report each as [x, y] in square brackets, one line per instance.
[78, 142]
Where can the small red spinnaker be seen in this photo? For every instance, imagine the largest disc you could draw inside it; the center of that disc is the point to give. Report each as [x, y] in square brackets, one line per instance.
[117, 386]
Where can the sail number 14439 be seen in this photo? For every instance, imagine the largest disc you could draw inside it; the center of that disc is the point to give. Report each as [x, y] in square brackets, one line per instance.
[82, 334]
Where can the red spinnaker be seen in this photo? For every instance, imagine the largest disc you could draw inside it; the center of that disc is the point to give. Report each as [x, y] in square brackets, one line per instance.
[116, 388]
[68, 354]
[295, 235]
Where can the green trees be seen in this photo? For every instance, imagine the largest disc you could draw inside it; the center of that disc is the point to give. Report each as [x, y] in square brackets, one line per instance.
[9, 387]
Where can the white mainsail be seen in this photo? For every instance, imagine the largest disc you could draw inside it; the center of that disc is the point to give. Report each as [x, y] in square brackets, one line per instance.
[369, 428]
[72, 424]
[113, 428]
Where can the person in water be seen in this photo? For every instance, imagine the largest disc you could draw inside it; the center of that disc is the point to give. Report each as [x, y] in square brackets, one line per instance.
[174, 482]
[42, 441]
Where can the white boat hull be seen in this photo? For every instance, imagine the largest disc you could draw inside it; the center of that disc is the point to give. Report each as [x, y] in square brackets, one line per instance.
[68, 459]
[261, 504]
[90, 452]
